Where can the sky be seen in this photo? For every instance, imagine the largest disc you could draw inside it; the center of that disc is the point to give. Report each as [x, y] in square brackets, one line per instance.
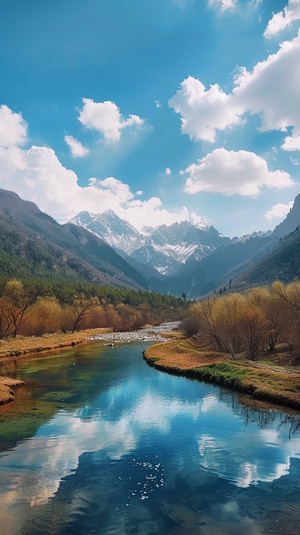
[161, 110]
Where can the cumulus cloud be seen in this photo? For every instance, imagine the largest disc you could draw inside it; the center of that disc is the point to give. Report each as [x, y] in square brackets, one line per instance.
[113, 187]
[204, 111]
[13, 128]
[229, 173]
[271, 90]
[76, 148]
[280, 21]
[291, 143]
[168, 171]
[37, 175]
[106, 118]
[223, 4]
[279, 211]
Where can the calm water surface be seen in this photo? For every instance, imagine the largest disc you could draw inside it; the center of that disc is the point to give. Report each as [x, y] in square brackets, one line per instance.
[100, 443]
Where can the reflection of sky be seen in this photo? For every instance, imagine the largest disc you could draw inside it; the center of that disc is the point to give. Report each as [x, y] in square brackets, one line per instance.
[190, 422]
[248, 458]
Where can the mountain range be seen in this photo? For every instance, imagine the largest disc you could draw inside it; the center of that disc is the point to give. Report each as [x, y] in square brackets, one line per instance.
[32, 243]
[182, 259]
[164, 248]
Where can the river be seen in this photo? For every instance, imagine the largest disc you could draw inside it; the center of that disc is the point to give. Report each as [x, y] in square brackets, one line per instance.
[98, 442]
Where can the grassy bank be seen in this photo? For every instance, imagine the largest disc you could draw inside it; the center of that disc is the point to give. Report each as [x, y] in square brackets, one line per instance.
[15, 348]
[274, 378]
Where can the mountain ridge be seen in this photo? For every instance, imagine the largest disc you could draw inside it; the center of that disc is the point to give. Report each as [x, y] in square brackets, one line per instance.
[163, 247]
[32, 242]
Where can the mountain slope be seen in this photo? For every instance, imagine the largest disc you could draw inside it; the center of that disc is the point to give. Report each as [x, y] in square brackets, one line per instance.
[291, 222]
[216, 270]
[283, 263]
[31, 242]
[115, 231]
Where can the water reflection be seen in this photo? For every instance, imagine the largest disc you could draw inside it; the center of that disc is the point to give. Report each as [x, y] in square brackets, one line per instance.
[133, 450]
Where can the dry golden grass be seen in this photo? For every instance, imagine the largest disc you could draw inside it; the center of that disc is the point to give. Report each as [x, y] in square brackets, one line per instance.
[182, 354]
[21, 345]
[276, 380]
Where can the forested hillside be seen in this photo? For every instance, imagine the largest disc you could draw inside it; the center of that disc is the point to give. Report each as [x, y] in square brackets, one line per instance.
[33, 244]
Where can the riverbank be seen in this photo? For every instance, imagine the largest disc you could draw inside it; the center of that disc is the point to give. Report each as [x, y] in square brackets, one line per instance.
[23, 346]
[275, 377]
[15, 348]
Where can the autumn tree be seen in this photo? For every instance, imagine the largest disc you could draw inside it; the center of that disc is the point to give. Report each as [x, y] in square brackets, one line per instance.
[227, 313]
[289, 296]
[43, 317]
[14, 305]
[81, 308]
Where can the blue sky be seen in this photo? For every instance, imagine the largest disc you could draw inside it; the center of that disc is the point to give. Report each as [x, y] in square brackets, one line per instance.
[162, 111]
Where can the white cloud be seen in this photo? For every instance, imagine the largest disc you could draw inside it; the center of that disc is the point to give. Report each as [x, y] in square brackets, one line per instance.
[223, 4]
[291, 143]
[229, 173]
[157, 104]
[203, 112]
[283, 19]
[77, 149]
[168, 171]
[113, 187]
[106, 118]
[13, 128]
[271, 90]
[279, 211]
[37, 175]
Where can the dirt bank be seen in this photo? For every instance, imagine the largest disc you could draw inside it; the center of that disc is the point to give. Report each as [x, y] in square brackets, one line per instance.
[274, 378]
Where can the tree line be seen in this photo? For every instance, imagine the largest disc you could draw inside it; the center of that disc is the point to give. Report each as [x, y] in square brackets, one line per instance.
[250, 322]
[34, 308]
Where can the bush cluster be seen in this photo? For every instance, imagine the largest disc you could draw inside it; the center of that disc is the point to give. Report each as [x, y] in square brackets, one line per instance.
[249, 322]
[35, 309]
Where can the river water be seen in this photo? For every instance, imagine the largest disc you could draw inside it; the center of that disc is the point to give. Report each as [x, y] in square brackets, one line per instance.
[98, 442]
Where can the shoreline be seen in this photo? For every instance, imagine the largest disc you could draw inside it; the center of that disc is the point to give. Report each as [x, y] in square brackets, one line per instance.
[261, 380]
[26, 346]
[273, 382]
[21, 347]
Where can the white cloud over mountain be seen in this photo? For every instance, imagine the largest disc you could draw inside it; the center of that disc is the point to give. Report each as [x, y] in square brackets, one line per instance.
[233, 173]
[105, 117]
[279, 211]
[271, 90]
[37, 175]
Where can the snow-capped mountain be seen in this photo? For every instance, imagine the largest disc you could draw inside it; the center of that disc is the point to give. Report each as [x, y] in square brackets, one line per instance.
[111, 228]
[165, 248]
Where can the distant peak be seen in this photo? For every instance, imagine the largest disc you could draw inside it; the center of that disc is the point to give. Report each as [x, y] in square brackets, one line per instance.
[110, 212]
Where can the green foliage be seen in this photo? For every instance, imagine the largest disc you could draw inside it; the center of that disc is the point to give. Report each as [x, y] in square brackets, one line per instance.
[227, 374]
